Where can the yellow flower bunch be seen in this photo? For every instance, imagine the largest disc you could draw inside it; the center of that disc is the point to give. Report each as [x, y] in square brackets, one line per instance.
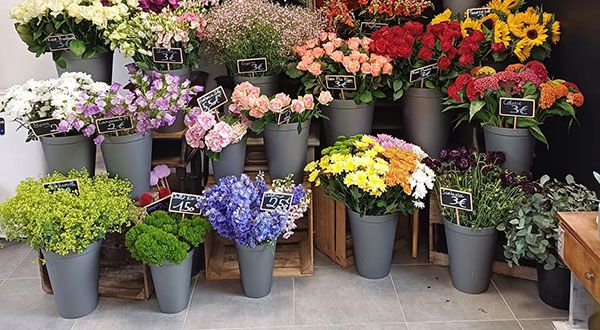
[532, 28]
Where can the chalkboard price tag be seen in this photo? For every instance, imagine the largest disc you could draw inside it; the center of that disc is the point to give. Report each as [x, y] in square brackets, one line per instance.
[367, 28]
[71, 186]
[478, 13]
[284, 116]
[57, 42]
[44, 127]
[513, 107]
[114, 124]
[343, 82]
[160, 205]
[423, 72]
[213, 99]
[2, 126]
[167, 55]
[184, 203]
[272, 200]
[456, 199]
[252, 65]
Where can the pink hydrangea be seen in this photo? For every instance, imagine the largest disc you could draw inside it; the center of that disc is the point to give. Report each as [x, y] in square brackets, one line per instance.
[195, 136]
[206, 120]
[219, 137]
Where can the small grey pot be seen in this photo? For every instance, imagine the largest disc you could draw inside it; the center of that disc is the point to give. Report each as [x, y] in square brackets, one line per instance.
[518, 146]
[286, 150]
[231, 160]
[70, 152]
[346, 118]
[172, 284]
[98, 66]
[269, 85]
[256, 269]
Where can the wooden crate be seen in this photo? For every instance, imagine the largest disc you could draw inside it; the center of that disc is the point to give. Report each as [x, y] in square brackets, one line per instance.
[332, 232]
[438, 251]
[121, 276]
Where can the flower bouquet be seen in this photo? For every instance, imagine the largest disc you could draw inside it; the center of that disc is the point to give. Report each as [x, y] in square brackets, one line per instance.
[377, 178]
[256, 229]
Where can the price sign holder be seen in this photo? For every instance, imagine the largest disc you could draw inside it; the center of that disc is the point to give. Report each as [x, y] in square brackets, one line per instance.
[517, 107]
[340, 82]
[422, 73]
[44, 127]
[179, 201]
[212, 100]
[71, 186]
[272, 200]
[58, 42]
[114, 124]
[284, 116]
[252, 65]
[478, 13]
[367, 28]
[175, 56]
[456, 199]
[2, 126]
[160, 205]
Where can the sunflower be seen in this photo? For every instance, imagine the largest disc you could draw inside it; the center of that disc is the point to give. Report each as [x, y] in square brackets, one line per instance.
[469, 25]
[535, 34]
[523, 50]
[500, 6]
[547, 18]
[530, 16]
[555, 32]
[443, 17]
[489, 20]
[515, 25]
[502, 33]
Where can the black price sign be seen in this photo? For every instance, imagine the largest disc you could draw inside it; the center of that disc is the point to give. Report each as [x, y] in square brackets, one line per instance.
[2, 126]
[44, 127]
[252, 65]
[184, 203]
[423, 72]
[213, 99]
[114, 124]
[160, 205]
[58, 42]
[71, 186]
[167, 55]
[513, 107]
[271, 201]
[284, 116]
[367, 28]
[342, 82]
[478, 13]
[456, 199]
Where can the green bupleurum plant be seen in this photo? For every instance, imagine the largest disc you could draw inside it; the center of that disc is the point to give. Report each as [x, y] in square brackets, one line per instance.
[62, 222]
[159, 238]
[532, 232]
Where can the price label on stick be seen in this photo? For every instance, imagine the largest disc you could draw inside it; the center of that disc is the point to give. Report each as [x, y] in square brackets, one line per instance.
[114, 124]
[272, 200]
[456, 199]
[58, 42]
[71, 186]
[160, 205]
[213, 99]
[252, 65]
[184, 203]
[424, 72]
[478, 13]
[167, 55]
[2, 126]
[284, 116]
[513, 107]
[343, 82]
[44, 127]
[367, 28]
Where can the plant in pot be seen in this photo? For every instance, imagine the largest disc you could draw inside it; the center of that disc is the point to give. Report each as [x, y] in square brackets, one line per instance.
[477, 97]
[167, 246]
[471, 236]
[257, 29]
[285, 123]
[351, 112]
[532, 234]
[41, 106]
[68, 226]
[223, 138]
[256, 230]
[377, 178]
[72, 31]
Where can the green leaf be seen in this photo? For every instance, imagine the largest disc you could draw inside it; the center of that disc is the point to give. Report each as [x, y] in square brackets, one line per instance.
[475, 107]
[366, 97]
[59, 59]
[293, 72]
[77, 47]
[397, 85]
[89, 53]
[429, 84]
[378, 94]
[537, 133]
[398, 94]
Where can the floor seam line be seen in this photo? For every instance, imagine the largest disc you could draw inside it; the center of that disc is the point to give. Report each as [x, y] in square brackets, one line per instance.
[187, 311]
[506, 303]
[16, 266]
[397, 297]
[294, 301]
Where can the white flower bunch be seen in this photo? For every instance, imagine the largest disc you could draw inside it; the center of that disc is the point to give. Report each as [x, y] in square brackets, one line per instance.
[297, 210]
[421, 181]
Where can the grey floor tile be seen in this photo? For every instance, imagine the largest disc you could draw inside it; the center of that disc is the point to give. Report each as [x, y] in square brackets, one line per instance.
[523, 299]
[29, 267]
[23, 305]
[11, 254]
[341, 296]
[426, 294]
[222, 304]
[390, 326]
[538, 324]
[321, 260]
[474, 325]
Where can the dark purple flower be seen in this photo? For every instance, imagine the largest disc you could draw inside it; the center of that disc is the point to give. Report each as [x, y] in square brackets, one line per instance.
[463, 163]
[131, 68]
[444, 154]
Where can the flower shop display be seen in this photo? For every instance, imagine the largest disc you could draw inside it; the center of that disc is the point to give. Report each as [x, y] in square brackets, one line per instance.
[377, 178]
[68, 225]
[223, 138]
[167, 246]
[257, 29]
[471, 235]
[461, 6]
[482, 95]
[348, 70]
[41, 106]
[72, 30]
[532, 233]
[269, 215]
[285, 123]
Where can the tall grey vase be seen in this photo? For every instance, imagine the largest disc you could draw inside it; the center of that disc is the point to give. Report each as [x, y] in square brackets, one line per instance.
[471, 254]
[518, 146]
[130, 157]
[74, 280]
[269, 85]
[460, 6]
[373, 242]
[69, 152]
[346, 118]
[231, 160]
[179, 124]
[172, 284]
[286, 150]
[98, 66]
[256, 269]
[425, 123]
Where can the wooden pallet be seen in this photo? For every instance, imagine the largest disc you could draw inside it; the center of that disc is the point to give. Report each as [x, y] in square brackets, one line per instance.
[121, 276]
[438, 251]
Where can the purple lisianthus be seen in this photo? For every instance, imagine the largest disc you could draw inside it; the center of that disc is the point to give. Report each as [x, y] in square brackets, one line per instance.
[388, 141]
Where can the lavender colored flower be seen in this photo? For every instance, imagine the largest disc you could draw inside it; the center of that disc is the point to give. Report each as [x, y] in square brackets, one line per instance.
[388, 141]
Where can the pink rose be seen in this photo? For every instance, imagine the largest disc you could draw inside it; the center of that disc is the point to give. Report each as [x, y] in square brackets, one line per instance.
[337, 56]
[302, 66]
[325, 98]
[323, 36]
[387, 69]
[275, 105]
[354, 43]
[315, 68]
[351, 66]
[256, 113]
[298, 106]
[329, 47]
[309, 101]
[365, 68]
[284, 99]
[263, 103]
[318, 52]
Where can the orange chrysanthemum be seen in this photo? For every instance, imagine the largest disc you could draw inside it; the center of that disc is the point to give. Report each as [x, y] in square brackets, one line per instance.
[547, 96]
[402, 164]
[575, 99]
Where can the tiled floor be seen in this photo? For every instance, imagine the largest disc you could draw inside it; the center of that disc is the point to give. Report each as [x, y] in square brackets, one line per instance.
[415, 296]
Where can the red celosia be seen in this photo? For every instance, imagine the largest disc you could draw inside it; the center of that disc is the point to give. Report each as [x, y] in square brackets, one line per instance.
[538, 68]
[145, 199]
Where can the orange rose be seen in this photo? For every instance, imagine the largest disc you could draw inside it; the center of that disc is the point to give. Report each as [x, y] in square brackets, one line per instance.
[351, 66]
[375, 69]
[300, 50]
[329, 48]
[302, 66]
[354, 43]
[323, 36]
[318, 52]
[387, 68]
[337, 56]
[308, 57]
[331, 36]
[365, 68]
[312, 43]
[338, 42]
[315, 68]
[355, 55]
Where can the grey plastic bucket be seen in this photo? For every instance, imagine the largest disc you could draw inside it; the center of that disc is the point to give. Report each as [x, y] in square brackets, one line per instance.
[70, 152]
[346, 118]
[460, 6]
[373, 242]
[172, 284]
[269, 85]
[286, 150]
[231, 160]
[98, 66]
[74, 279]
[518, 146]
[256, 269]
[471, 254]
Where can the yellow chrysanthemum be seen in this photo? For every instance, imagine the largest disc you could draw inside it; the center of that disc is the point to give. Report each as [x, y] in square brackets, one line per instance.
[469, 25]
[536, 34]
[523, 50]
[502, 33]
[443, 17]
[555, 32]
[312, 177]
[486, 71]
[311, 166]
